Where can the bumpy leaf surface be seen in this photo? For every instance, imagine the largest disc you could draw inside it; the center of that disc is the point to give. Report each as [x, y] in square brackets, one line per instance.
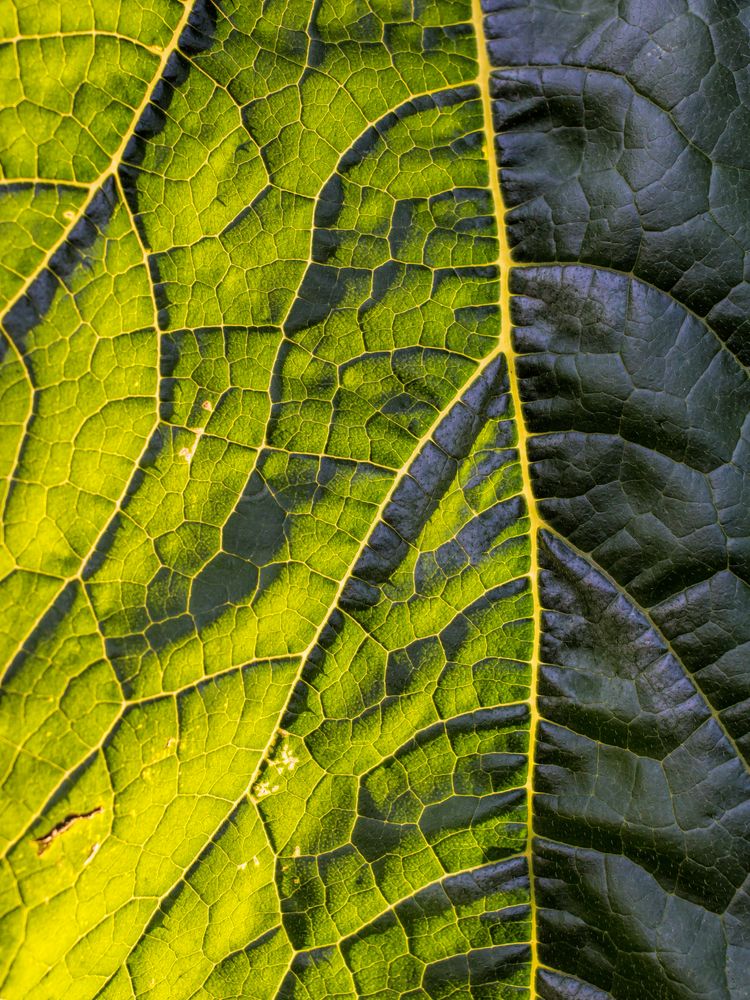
[376, 531]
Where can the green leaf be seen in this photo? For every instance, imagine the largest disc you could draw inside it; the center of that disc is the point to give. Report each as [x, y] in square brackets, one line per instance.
[375, 564]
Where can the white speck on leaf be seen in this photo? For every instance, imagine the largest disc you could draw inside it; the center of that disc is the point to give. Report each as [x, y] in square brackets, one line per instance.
[92, 854]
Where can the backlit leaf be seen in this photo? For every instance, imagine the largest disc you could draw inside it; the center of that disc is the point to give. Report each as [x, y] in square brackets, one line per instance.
[376, 538]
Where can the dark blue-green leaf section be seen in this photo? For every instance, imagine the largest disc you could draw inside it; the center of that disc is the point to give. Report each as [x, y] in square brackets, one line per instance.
[622, 136]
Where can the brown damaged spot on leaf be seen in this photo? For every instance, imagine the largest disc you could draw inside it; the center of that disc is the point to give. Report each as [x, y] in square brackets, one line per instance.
[60, 828]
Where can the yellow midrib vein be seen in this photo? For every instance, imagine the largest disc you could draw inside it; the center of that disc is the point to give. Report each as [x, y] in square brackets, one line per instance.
[505, 263]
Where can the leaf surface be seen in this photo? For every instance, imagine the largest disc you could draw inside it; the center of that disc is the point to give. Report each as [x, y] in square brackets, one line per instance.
[375, 535]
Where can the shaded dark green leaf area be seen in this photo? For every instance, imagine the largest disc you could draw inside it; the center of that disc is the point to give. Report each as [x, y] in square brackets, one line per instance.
[637, 123]
[622, 136]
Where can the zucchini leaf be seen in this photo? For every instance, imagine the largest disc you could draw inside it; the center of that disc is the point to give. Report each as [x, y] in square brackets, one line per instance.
[375, 524]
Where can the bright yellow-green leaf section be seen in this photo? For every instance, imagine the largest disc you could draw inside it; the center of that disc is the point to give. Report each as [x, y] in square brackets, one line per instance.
[267, 621]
